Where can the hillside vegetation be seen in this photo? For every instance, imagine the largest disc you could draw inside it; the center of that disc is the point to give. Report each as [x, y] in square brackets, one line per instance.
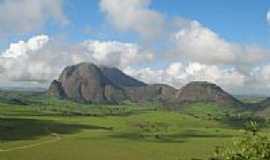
[48, 128]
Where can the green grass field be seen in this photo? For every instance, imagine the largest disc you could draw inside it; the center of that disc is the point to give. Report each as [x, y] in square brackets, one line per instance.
[42, 128]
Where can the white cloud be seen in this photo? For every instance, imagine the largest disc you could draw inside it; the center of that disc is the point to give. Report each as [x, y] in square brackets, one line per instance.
[201, 44]
[178, 74]
[113, 53]
[21, 61]
[198, 43]
[186, 40]
[21, 16]
[198, 53]
[21, 48]
[261, 76]
[257, 81]
[135, 16]
[42, 59]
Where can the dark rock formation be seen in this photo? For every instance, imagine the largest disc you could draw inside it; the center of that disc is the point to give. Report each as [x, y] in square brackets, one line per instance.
[199, 91]
[86, 83]
[153, 93]
[56, 90]
[120, 79]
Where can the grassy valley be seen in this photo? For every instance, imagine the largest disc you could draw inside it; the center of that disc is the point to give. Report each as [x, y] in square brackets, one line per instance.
[48, 128]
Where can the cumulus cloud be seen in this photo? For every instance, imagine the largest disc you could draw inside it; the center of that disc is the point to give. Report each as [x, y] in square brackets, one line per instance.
[178, 74]
[201, 44]
[257, 80]
[21, 48]
[254, 81]
[261, 76]
[135, 16]
[22, 61]
[186, 39]
[21, 16]
[42, 59]
[113, 53]
[196, 42]
[193, 51]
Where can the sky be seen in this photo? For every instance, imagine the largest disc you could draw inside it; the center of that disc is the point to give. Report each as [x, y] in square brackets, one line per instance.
[174, 42]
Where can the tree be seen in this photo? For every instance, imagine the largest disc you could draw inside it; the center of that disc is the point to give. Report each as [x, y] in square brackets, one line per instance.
[253, 146]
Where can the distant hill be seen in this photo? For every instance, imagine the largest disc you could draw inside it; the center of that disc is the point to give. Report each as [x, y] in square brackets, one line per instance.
[23, 89]
[19, 97]
[263, 108]
[86, 82]
[264, 103]
[199, 91]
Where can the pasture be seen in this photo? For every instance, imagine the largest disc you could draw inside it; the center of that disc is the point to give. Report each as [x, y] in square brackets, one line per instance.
[50, 129]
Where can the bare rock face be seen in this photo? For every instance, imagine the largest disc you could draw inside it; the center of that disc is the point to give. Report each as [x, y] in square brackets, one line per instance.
[151, 93]
[138, 91]
[56, 90]
[199, 91]
[86, 83]
[118, 78]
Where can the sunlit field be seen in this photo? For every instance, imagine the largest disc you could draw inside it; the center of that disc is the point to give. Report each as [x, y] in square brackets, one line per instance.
[37, 127]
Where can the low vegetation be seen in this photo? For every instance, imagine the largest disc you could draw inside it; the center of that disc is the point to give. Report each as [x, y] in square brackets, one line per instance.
[48, 128]
[252, 146]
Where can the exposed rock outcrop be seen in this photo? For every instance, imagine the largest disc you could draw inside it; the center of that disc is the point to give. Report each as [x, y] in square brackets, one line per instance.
[56, 90]
[153, 93]
[118, 78]
[199, 91]
[86, 83]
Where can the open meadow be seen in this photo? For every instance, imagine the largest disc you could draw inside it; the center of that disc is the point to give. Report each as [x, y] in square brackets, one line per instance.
[37, 127]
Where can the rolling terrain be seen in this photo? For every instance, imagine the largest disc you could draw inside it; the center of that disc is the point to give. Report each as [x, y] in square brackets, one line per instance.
[106, 132]
[88, 114]
[50, 128]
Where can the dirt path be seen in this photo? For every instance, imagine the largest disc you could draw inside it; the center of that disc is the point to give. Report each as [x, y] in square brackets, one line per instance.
[57, 138]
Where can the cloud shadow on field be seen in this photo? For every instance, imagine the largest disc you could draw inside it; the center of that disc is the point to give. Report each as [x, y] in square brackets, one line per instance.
[12, 129]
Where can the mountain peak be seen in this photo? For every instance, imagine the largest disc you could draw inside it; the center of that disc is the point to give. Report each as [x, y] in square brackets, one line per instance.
[119, 78]
[85, 82]
[88, 82]
[203, 91]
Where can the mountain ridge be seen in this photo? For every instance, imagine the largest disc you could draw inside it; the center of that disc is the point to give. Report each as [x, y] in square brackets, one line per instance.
[87, 82]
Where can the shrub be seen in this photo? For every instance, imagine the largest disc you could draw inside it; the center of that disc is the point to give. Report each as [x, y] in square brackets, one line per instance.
[253, 146]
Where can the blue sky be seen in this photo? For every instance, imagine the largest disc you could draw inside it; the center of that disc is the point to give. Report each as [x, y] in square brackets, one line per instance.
[157, 41]
[240, 21]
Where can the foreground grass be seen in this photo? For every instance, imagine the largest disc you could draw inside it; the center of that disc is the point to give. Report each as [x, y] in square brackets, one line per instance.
[115, 137]
[49, 129]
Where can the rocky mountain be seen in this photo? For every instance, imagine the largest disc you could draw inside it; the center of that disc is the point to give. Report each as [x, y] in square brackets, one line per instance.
[56, 89]
[87, 82]
[199, 91]
[151, 93]
[138, 91]
[118, 78]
